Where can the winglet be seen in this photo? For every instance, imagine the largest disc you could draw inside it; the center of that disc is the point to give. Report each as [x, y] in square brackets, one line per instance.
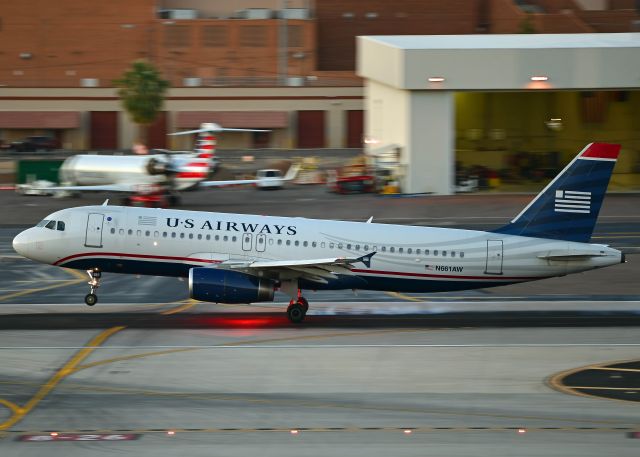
[366, 259]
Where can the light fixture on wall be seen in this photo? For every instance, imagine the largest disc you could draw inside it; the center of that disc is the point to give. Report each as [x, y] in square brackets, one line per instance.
[539, 78]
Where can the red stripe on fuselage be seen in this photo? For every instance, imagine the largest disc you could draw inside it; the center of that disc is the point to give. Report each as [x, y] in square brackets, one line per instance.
[380, 272]
[427, 275]
[136, 256]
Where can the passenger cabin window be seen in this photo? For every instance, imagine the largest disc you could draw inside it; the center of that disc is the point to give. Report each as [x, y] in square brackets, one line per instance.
[61, 226]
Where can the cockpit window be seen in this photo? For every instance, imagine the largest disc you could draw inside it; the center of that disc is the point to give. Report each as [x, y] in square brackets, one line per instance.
[51, 225]
[61, 226]
[42, 223]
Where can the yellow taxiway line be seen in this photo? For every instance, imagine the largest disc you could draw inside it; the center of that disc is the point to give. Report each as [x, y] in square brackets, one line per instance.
[79, 278]
[72, 365]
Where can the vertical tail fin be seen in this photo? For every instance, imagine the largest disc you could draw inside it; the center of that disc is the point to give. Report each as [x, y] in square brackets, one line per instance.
[567, 209]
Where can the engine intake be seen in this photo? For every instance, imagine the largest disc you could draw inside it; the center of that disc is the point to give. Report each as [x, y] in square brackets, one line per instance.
[157, 167]
[225, 286]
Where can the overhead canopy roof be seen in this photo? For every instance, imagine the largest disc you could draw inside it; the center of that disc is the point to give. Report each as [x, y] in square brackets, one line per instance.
[502, 62]
[234, 119]
[39, 119]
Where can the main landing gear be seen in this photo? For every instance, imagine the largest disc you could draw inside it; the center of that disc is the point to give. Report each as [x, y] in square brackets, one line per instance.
[91, 298]
[297, 309]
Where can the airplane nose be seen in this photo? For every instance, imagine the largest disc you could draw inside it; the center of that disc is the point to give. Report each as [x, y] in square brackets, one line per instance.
[20, 244]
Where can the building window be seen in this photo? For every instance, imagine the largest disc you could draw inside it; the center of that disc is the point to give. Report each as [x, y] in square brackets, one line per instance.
[215, 36]
[176, 36]
[295, 36]
[253, 36]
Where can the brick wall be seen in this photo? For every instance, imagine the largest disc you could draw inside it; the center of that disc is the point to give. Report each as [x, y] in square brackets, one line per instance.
[340, 21]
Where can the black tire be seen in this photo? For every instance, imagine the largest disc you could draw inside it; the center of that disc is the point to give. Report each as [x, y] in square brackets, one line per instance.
[295, 313]
[304, 303]
[91, 299]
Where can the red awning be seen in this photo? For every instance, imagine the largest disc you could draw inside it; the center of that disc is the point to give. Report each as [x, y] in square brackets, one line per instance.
[234, 119]
[39, 119]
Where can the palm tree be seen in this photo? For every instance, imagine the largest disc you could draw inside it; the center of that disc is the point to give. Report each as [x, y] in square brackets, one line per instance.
[142, 92]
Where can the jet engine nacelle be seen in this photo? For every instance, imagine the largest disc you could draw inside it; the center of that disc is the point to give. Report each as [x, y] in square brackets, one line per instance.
[225, 286]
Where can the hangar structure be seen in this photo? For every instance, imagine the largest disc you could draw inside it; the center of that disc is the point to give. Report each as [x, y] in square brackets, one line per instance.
[411, 81]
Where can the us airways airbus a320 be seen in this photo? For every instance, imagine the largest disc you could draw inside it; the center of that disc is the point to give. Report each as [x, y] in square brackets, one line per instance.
[236, 258]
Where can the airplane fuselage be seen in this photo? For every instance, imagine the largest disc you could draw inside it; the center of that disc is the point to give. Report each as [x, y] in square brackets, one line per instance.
[170, 242]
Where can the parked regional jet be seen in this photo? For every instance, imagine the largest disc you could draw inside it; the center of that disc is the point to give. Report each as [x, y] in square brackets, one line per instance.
[155, 178]
[237, 258]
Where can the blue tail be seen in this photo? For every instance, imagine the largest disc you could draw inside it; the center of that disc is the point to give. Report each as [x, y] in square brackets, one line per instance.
[567, 209]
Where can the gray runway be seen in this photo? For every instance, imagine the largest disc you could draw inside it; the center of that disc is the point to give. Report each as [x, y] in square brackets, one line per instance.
[369, 374]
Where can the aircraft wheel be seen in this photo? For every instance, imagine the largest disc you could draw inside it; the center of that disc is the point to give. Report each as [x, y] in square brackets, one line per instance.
[91, 299]
[296, 313]
[304, 303]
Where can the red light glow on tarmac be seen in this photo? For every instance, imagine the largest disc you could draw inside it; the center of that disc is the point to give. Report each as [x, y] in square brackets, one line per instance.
[243, 322]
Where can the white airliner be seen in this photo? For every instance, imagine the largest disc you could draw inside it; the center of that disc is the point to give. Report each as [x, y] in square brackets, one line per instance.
[237, 258]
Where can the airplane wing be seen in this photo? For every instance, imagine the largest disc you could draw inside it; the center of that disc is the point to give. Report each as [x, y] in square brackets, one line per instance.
[120, 187]
[317, 270]
[230, 182]
[290, 175]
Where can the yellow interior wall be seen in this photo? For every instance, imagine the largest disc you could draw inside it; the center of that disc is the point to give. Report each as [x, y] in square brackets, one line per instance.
[522, 116]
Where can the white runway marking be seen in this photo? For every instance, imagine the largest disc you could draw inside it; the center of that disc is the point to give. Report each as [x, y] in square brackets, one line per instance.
[333, 346]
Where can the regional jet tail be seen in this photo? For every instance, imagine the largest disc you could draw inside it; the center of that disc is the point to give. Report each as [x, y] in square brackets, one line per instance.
[238, 258]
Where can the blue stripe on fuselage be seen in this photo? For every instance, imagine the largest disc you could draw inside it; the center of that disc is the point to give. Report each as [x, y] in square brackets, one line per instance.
[363, 282]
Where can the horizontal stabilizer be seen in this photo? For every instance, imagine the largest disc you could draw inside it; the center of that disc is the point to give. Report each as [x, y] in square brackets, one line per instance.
[571, 255]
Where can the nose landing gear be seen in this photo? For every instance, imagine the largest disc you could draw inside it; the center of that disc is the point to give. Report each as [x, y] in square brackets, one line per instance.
[91, 298]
